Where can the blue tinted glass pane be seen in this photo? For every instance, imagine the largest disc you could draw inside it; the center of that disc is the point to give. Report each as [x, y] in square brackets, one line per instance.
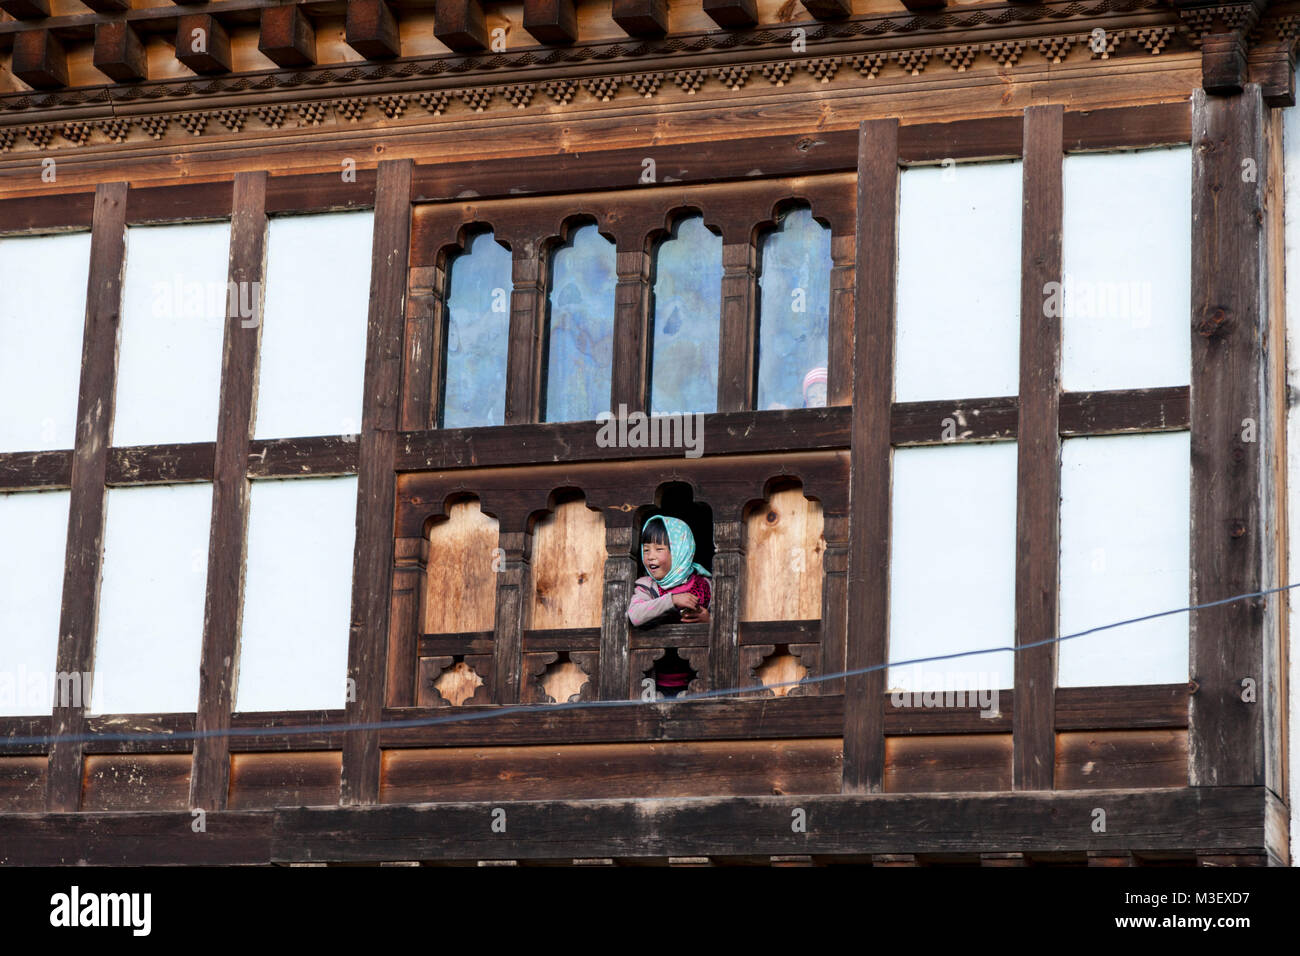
[794, 305]
[687, 311]
[478, 329]
[580, 343]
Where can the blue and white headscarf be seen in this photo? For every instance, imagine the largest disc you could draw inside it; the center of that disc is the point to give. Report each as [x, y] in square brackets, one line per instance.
[681, 545]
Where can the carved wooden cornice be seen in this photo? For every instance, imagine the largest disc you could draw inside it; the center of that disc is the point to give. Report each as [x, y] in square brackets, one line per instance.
[849, 51]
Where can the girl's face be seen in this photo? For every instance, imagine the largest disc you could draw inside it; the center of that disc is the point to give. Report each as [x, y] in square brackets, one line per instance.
[658, 559]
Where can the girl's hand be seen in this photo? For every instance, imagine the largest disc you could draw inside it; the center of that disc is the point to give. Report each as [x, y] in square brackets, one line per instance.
[686, 601]
[698, 615]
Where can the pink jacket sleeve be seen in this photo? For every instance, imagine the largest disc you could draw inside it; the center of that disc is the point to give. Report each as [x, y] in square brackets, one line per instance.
[645, 607]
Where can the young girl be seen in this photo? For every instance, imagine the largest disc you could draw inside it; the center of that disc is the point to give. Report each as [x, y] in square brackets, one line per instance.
[675, 585]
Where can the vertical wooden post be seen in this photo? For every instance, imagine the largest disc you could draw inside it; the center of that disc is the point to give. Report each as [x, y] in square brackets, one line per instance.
[835, 596]
[406, 619]
[724, 611]
[839, 359]
[738, 330]
[513, 583]
[524, 358]
[376, 486]
[1234, 736]
[871, 461]
[1038, 451]
[223, 610]
[423, 368]
[620, 575]
[79, 614]
[630, 380]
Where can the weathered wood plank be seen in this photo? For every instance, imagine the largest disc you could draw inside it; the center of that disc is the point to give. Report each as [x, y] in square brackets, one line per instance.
[79, 615]
[1232, 741]
[836, 824]
[1038, 448]
[376, 490]
[1220, 821]
[1125, 410]
[872, 456]
[209, 782]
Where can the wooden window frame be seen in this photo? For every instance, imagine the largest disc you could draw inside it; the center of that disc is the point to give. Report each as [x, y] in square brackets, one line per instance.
[415, 204]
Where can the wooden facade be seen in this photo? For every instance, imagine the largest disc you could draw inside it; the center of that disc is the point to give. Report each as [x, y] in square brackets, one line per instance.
[452, 119]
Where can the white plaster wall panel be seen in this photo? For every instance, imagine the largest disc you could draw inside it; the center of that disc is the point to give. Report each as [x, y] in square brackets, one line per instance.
[317, 298]
[1125, 294]
[33, 538]
[169, 354]
[958, 324]
[151, 599]
[1125, 553]
[953, 564]
[43, 282]
[297, 595]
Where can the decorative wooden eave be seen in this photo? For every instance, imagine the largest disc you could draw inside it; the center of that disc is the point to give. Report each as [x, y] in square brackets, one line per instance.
[858, 50]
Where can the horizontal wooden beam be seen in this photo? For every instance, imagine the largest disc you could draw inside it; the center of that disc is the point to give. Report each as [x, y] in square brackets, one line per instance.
[790, 430]
[1139, 707]
[1226, 820]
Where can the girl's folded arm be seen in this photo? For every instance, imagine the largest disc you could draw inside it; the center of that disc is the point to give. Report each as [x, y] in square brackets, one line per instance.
[643, 608]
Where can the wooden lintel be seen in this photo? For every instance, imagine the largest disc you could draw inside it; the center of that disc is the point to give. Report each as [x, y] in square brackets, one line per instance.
[39, 60]
[371, 29]
[202, 43]
[287, 36]
[642, 18]
[554, 22]
[119, 54]
[108, 6]
[460, 24]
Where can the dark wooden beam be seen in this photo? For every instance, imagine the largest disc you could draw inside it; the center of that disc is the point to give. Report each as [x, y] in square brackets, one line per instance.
[219, 657]
[554, 22]
[1227, 821]
[202, 43]
[642, 18]
[925, 6]
[373, 553]
[371, 29]
[1272, 65]
[39, 61]
[872, 456]
[732, 14]
[26, 9]
[108, 6]
[1234, 736]
[1223, 62]
[287, 37]
[1038, 449]
[79, 615]
[828, 9]
[460, 24]
[119, 54]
